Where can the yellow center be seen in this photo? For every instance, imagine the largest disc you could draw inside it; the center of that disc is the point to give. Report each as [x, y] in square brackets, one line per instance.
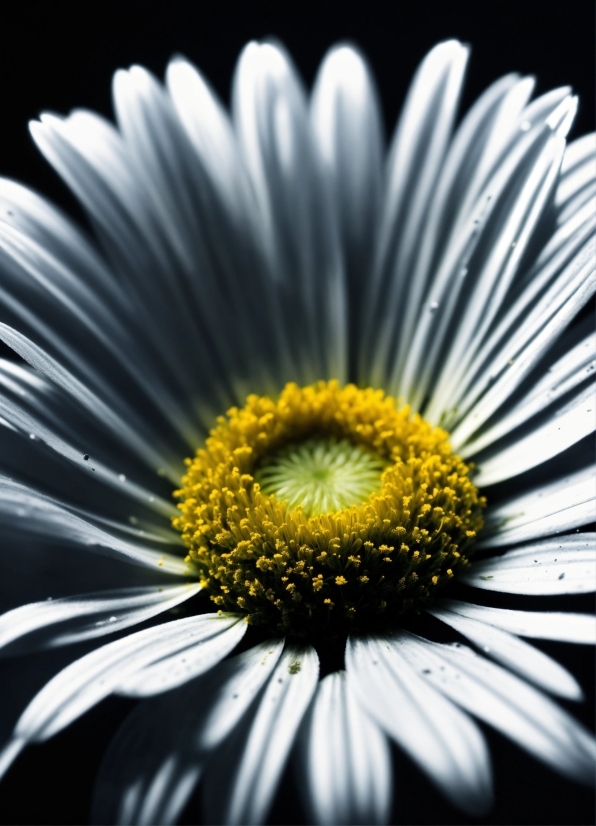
[290, 517]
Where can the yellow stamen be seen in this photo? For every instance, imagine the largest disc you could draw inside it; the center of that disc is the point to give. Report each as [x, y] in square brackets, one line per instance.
[381, 556]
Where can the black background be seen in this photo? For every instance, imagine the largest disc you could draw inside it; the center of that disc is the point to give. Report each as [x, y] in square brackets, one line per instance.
[56, 56]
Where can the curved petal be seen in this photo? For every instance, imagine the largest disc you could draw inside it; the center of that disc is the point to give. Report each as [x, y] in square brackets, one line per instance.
[444, 742]
[526, 660]
[86, 682]
[417, 151]
[86, 616]
[504, 701]
[545, 625]
[565, 565]
[181, 664]
[563, 428]
[571, 370]
[98, 409]
[577, 170]
[512, 215]
[491, 163]
[159, 753]
[211, 251]
[346, 121]
[293, 204]
[244, 778]
[547, 299]
[550, 509]
[26, 511]
[346, 759]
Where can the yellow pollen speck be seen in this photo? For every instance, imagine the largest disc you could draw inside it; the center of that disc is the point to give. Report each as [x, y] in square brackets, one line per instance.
[279, 562]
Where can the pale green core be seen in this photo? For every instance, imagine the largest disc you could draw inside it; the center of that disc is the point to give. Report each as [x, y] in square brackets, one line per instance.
[322, 475]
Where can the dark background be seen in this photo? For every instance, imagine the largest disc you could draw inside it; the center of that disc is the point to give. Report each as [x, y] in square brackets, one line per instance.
[56, 56]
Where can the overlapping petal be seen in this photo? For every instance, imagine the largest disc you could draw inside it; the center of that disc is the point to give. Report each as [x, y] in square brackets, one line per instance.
[237, 254]
[346, 759]
[160, 752]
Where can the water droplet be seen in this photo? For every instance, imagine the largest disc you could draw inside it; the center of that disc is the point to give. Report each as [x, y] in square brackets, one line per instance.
[86, 457]
[122, 477]
[48, 599]
[152, 498]
[514, 243]
[32, 436]
[525, 125]
[434, 305]
[463, 272]
[113, 619]
[133, 520]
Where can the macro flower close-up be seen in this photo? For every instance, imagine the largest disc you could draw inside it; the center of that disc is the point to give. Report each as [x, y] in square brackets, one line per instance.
[297, 434]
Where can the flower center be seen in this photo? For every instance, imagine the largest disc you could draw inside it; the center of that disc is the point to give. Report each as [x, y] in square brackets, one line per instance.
[321, 475]
[326, 511]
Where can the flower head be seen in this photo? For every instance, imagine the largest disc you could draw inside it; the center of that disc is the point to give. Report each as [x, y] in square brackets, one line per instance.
[352, 353]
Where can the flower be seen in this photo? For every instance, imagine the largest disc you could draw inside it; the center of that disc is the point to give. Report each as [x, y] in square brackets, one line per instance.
[270, 259]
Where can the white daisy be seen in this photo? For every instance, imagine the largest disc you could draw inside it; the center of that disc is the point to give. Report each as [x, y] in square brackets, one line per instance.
[280, 254]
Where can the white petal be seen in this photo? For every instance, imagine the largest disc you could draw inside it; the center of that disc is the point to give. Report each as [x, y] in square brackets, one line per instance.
[549, 296]
[566, 565]
[509, 704]
[577, 169]
[476, 145]
[418, 149]
[544, 625]
[86, 682]
[57, 291]
[208, 128]
[517, 655]
[242, 788]
[505, 240]
[20, 420]
[566, 426]
[294, 208]
[158, 755]
[347, 759]
[103, 173]
[462, 250]
[177, 667]
[347, 125]
[570, 370]
[214, 261]
[445, 743]
[28, 512]
[86, 616]
[560, 506]
[50, 368]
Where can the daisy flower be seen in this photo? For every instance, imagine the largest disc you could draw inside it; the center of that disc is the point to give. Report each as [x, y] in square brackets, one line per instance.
[367, 361]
